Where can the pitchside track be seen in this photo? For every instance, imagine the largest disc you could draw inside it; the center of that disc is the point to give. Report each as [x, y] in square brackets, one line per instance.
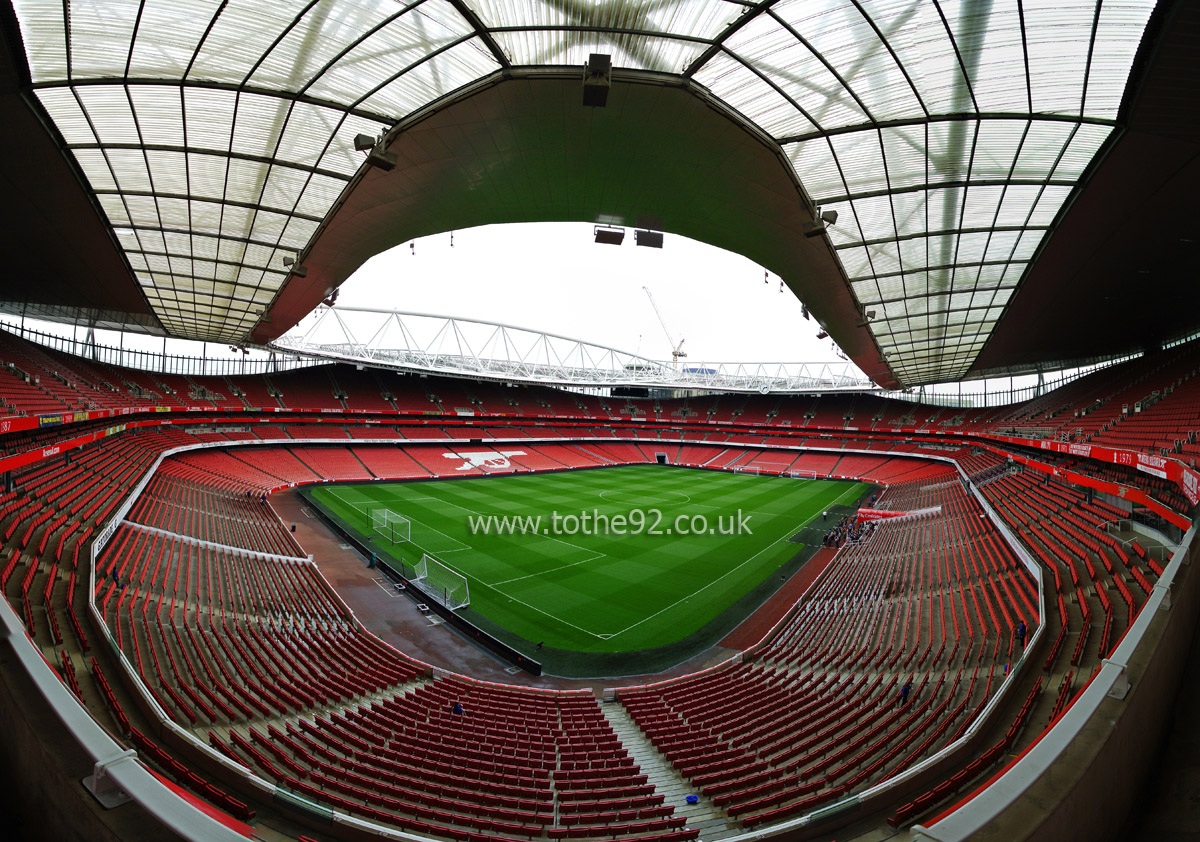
[599, 592]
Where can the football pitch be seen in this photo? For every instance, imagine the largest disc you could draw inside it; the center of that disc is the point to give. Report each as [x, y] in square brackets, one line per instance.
[623, 558]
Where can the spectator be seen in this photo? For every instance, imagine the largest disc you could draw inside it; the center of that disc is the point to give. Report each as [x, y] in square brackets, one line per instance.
[1021, 633]
[457, 710]
[905, 691]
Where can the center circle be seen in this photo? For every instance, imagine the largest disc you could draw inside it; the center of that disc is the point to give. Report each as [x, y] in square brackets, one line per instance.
[633, 498]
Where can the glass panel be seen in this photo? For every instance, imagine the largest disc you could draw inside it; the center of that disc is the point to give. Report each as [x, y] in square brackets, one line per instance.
[432, 79]
[696, 18]
[817, 168]
[746, 92]
[1118, 33]
[168, 35]
[376, 59]
[68, 117]
[776, 53]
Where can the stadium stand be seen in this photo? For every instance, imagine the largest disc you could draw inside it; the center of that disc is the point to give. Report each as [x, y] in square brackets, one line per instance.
[236, 635]
[309, 388]
[776, 736]
[361, 390]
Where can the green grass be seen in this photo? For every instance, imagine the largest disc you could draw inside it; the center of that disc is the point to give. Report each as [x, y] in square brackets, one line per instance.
[599, 592]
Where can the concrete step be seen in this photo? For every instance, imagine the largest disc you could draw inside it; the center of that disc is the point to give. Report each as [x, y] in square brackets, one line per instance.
[281, 721]
[712, 822]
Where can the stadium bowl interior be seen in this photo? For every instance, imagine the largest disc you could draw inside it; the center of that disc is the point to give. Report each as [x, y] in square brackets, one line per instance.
[956, 620]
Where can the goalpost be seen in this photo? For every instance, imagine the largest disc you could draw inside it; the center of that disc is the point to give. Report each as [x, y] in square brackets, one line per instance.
[394, 527]
[803, 473]
[446, 585]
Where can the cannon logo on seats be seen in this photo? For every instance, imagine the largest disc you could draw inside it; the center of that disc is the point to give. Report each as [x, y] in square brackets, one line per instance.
[485, 460]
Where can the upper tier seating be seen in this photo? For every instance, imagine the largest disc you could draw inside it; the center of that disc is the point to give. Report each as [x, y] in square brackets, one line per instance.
[1150, 404]
[307, 388]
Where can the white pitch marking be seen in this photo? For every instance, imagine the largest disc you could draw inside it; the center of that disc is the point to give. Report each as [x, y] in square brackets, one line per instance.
[461, 545]
[783, 537]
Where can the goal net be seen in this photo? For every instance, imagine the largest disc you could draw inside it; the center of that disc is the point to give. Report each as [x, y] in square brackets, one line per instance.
[803, 473]
[394, 527]
[439, 582]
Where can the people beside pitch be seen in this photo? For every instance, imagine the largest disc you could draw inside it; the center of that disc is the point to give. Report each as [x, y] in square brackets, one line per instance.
[847, 530]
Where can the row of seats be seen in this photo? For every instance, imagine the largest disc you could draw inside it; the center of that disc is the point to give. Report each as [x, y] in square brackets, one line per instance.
[817, 712]
[1067, 534]
[199, 510]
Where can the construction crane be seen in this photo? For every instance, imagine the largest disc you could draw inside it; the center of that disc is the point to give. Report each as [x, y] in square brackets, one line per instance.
[677, 351]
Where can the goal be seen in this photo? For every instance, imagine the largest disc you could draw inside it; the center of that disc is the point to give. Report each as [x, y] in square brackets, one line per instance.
[442, 583]
[394, 527]
[803, 473]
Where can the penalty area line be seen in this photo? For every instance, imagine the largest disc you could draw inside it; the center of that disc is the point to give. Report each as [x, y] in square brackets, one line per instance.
[551, 570]
[461, 546]
[539, 610]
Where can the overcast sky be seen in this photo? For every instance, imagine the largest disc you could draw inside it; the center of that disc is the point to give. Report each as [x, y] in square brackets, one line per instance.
[553, 277]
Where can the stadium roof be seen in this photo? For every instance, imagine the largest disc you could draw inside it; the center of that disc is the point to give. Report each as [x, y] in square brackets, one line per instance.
[216, 137]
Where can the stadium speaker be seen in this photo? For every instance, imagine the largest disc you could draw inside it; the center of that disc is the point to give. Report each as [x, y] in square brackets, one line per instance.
[289, 262]
[377, 156]
[817, 226]
[381, 159]
[652, 239]
[597, 79]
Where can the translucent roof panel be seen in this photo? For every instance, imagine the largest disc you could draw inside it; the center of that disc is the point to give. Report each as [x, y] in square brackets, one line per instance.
[948, 135]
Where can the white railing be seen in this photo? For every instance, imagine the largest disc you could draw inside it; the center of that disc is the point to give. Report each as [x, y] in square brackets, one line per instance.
[432, 344]
[160, 362]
